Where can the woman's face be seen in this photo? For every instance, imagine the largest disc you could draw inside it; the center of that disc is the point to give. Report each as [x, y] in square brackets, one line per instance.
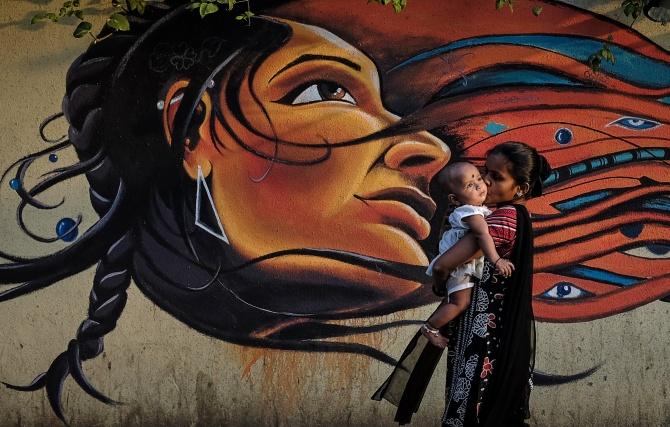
[502, 187]
[369, 199]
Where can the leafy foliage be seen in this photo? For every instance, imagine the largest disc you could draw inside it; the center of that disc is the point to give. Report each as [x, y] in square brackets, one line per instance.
[603, 54]
[398, 5]
[502, 3]
[118, 20]
[633, 7]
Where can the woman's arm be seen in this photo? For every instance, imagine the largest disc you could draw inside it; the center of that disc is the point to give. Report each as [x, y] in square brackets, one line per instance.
[464, 250]
[480, 229]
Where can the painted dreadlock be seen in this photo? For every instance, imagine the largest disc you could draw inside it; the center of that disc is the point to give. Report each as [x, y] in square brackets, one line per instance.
[110, 240]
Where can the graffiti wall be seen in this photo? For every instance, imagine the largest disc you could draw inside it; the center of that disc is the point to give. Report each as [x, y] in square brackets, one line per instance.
[216, 222]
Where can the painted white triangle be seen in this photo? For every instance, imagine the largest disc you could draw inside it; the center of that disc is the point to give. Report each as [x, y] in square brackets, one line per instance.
[201, 183]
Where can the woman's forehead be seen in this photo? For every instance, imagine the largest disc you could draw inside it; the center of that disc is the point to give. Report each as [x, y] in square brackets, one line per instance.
[498, 162]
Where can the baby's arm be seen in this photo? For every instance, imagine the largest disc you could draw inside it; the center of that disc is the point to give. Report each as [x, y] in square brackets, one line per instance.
[480, 229]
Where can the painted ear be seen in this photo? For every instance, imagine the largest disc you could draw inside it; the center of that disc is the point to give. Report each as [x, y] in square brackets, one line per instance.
[197, 134]
[453, 200]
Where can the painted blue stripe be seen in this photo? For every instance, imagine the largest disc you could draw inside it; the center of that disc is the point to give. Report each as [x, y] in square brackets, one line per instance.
[603, 162]
[596, 163]
[665, 100]
[492, 78]
[623, 157]
[602, 276]
[630, 66]
[580, 201]
[575, 169]
[551, 179]
[651, 153]
[661, 204]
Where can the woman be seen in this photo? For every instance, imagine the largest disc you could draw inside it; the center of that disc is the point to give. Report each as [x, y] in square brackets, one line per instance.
[492, 348]
[248, 178]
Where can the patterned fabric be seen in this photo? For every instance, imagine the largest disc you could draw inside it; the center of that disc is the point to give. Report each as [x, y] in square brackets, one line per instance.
[483, 354]
[502, 227]
[475, 349]
[475, 344]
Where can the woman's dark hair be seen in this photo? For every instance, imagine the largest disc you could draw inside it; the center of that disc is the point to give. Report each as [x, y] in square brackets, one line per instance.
[145, 200]
[136, 182]
[528, 166]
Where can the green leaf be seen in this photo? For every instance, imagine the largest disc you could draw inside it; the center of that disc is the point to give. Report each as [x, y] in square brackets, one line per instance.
[628, 9]
[500, 4]
[399, 5]
[537, 10]
[195, 5]
[245, 16]
[138, 5]
[119, 22]
[231, 4]
[39, 17]
[79, 14]
[82, 29]
[75, 3]
[207, 8]
[67, 4]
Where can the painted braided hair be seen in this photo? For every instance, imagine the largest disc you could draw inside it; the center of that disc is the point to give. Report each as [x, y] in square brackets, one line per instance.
[145, 201]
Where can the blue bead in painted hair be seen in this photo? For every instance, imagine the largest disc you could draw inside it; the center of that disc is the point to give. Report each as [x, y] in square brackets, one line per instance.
[66, 229]
[563, 136]
[53, 158]
[14, 184]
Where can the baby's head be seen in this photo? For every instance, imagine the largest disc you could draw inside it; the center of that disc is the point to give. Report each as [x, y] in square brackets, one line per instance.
[464, 184]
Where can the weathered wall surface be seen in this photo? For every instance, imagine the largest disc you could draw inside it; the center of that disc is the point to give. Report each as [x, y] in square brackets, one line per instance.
[300, 339]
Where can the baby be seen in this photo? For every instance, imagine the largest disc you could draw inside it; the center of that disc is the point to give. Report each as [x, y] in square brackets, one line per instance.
[467, 191]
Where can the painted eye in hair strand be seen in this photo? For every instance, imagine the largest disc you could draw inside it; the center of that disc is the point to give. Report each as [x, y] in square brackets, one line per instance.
[635, 123]
[565, 290]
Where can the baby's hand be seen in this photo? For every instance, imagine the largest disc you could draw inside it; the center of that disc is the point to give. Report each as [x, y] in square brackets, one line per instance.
[504, 267]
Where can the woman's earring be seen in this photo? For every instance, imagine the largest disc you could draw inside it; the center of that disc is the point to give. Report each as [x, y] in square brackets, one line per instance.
[205, 209]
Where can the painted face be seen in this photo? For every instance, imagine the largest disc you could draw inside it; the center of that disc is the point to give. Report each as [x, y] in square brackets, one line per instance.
[369, 199]
[502, 187]
[468, 186]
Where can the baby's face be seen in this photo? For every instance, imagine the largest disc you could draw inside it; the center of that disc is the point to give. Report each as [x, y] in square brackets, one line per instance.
[468, 186]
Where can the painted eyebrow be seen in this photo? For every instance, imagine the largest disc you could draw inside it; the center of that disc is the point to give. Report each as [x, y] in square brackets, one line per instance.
[311, 57]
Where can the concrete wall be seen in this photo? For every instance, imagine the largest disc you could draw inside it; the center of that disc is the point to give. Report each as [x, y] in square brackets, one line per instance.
[181, 357]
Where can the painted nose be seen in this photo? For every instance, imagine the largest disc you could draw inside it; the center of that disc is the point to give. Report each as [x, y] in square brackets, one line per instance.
[421, 156]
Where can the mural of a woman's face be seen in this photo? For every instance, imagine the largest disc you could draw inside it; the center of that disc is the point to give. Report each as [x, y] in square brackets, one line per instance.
[369, 199]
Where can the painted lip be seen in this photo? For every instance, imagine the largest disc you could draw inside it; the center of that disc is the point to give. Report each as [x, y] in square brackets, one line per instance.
[405, 208]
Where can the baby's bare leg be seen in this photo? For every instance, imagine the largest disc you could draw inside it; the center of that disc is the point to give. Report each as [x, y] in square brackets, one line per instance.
[448, 311]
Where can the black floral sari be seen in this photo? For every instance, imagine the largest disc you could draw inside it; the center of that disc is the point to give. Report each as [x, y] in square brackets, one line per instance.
[491, 353]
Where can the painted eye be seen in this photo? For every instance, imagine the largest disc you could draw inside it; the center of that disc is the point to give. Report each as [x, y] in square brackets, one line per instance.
[318, 92]
[652, 251]
[635, 123]
[565, 290]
